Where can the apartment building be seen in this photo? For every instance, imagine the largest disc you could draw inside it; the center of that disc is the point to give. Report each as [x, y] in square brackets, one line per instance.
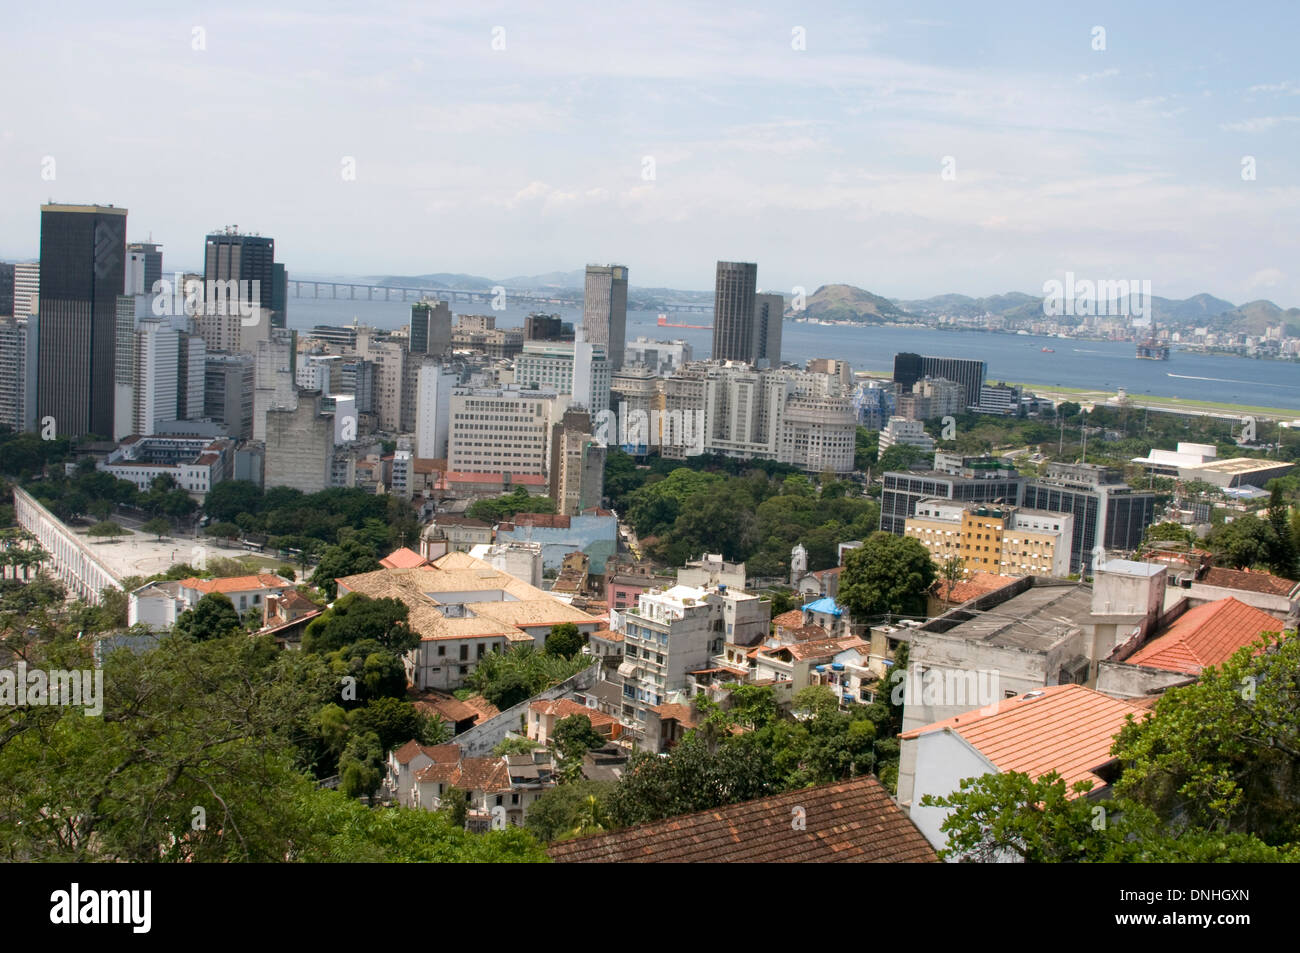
[1007, 540]
[500, 430]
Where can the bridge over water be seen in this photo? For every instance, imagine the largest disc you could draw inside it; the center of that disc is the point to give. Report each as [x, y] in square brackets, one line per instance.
[303, 288]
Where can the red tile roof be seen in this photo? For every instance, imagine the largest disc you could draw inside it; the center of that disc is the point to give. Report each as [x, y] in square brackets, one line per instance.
[1210, 634]
[683, 714]
[1068, 729]
[439, 754]
[789, 620]
[978, 584]
[1248, 581]
[566, 707]
[403, 558]
[236, 583]
[846, 822]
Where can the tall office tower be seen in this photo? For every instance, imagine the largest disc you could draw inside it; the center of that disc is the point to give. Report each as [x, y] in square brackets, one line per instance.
[576, 475]
[17, 386]
[274, 378]
[191, 372]
[144, 267]
[769, 312]
[604, 310]
[230, 256]
[83, 268]
[126, 312]
[279, 296]
[27, 285]
[910, 368]
[733, 311]
[156, 352]
[6, 290]
[228, 393]
[434, 384]
[546, 327]
[430, 327]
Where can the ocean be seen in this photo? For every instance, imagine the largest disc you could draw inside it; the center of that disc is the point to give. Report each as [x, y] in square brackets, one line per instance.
[1100, 365]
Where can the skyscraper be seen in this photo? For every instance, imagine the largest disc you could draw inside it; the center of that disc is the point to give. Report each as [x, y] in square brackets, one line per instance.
[83, 269]
[27, 285]
[430, 327]
[144, 267]
[604, 310]
[733, 311]
[231, 256]
[910, 368]
[6, 290]
[769, 312]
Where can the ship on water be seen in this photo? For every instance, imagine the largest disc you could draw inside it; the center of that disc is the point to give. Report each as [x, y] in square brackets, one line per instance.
[1150, 348]
[665, 323]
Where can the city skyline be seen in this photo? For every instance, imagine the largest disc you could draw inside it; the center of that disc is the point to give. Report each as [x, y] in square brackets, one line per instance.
[832, 164]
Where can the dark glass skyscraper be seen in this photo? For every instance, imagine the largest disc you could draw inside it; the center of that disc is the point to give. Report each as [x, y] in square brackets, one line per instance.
[230, 256]
[733, 311]
[910, 368]
[83, 270]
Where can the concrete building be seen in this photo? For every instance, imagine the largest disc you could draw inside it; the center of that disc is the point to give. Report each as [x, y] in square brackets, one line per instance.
[579, 369]
[932, 397]
[434, 384]
[904, 430]
[300, 445]
[27, 287]
[275, 362]
[675, 631]
[228, 392]
[604, 310]
[1006, 540]
[462, 609]
[197, 464]
[1109, 515]
[957, 478]
[430, 328]
[18, 362]
[593, 532]
[660, 357]
[577, 465]
[503, 429]
[769, 315]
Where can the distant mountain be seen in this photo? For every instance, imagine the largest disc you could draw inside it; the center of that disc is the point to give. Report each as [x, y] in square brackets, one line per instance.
[456, 282]
[847, 303]
[964, 306]
[1254, 317]
[552, 280]
[1193, 310]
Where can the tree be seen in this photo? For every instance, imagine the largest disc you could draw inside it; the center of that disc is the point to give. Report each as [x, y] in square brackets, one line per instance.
[1168, 532]
[222, 531]
[455, 803]
[573, 737]
[899, 457]
[391, 720]
[378, 672]
[952, 571]
[346, 559]
[213, 617]
[158, 526]
[357, 617]
[886, 574]
[107, 529]
[514, 745]
[361, 766]
[579, 806]
[1283, 552]
[565, 640]
[1245, 542]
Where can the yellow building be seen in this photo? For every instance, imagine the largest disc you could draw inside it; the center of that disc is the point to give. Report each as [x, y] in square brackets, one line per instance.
[1006, 540]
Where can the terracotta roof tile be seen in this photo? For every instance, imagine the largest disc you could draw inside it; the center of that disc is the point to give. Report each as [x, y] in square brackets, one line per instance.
[789, 620]
[403, 558]
[846, 822]
[566, 707]
[1210, 634]
[1248, 581]
[978, 584]
[236, 583]
[1068, 729]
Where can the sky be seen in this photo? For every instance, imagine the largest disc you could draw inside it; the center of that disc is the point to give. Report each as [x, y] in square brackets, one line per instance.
[907, 148]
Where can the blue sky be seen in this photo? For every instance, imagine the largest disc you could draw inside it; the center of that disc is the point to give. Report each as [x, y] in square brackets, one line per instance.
[822, 164]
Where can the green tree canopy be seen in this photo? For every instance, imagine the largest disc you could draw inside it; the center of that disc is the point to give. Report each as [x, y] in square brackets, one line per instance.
[213, 617]
[886, 574]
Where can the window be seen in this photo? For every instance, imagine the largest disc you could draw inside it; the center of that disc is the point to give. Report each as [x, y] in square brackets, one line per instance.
[442, 650]
[464, 653]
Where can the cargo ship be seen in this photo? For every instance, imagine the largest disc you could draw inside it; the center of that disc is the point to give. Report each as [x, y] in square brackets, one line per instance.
[665, 323]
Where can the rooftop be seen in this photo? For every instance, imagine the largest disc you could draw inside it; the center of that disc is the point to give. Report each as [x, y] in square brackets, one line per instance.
[1249, 581]
[852, 821]
[1030, 613]
[1068, 729]
[1210, 634]
[235, 583]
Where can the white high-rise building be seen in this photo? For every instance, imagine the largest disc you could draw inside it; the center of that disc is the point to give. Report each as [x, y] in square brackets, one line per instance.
[500, 429]
[273, 379]
[27, 286]
[18, 373]
[580, 369]
[433, 410]
[156, 353]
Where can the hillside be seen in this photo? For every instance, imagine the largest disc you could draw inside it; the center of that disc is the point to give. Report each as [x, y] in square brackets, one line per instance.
[847, 303]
